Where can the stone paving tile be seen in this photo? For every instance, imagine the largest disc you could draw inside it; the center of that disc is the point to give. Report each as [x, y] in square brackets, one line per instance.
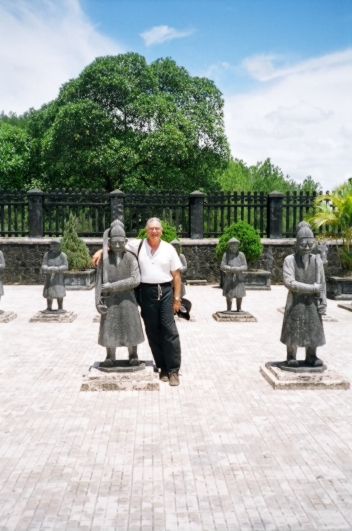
[223, 451]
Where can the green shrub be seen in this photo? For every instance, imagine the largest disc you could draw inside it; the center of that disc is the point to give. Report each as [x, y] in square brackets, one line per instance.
[74, 247]
[169, 233]
[249, 237]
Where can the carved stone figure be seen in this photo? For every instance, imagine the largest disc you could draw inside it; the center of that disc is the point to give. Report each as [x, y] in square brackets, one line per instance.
[2, 267]
[233, 264]
[53, 266]
[117, 276]
[304, 277]
[176, 244]
[322, 249]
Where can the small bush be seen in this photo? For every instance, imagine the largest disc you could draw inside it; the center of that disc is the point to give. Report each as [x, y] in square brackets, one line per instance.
[250, 241]
[74, 247]
[169, 233]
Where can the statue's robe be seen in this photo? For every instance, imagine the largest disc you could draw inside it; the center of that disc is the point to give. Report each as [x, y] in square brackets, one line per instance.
[233, 283]
[121, 325]
[2, 266]
[54, 284]
[302, 325]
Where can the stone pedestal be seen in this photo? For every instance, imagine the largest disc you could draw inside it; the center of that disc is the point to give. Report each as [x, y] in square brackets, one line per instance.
[53, 317]
[235, 317]
[326, 318]
[144, 379]
[303, 377]
[6, 317]
[80, 280]
[346, 306]
[339, 288]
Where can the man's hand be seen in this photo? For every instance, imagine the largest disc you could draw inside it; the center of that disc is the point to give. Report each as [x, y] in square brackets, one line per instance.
[176, 306]
[97, 257]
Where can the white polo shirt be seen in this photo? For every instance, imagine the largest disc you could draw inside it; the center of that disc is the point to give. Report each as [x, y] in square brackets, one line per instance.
[156, 268]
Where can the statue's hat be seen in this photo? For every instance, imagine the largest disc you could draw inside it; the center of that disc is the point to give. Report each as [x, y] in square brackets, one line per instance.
[304, 230]
[117, 228]
[234, 240]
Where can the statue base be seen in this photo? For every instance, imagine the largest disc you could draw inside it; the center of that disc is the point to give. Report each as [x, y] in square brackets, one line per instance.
[139, 379]
[53, 316]
[120, 366]
[325, 318]
[346, 306]
[6, 317]
[302, 377]
[235, 317]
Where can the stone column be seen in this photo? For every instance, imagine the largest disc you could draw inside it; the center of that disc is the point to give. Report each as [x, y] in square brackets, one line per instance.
[274, 215]
[196, 215]
[117, 206]
[36, 213]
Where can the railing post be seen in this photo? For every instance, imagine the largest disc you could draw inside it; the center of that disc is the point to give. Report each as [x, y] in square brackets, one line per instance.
[196, 215]
[274, 215]
[35, 213]
[117, 206]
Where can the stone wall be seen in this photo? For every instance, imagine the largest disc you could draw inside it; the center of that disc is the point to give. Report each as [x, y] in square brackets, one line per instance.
[24, 256]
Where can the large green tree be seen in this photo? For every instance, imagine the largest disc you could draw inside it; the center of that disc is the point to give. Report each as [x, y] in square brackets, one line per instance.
[126, 124]
[15, 150]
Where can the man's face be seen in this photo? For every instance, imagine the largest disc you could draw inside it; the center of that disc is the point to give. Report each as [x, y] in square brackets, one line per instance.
[305, 245]
[55, 247]
[154, 231]
[117, 244]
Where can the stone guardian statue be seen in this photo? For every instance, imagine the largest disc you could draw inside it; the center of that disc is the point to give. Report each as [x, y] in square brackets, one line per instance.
[117, 276]
[177, 246]
[233, 264]
[53, 266]
[303, 275]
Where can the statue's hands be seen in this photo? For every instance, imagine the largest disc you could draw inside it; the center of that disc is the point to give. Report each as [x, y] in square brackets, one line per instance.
[52, 269]
[321, 309]
[317, 288]
[106, 288]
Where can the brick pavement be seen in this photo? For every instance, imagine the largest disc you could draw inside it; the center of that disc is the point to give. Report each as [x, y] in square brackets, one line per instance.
[222, 452]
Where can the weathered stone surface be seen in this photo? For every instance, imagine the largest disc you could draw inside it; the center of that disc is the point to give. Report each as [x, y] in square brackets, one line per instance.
[326, 318]
[24, 257]
[257, 279]
[121, 366]
[54, 317]
[197, 282]
[235, 317]
[6, 317]
[79, 280]
[279, 379]
[346, 306]
[144, 380]
[339, 288]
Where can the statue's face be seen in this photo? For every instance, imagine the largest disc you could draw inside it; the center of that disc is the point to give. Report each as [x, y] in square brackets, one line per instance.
[117, 244]
[55, 247]
[305, 245]
[234, 246]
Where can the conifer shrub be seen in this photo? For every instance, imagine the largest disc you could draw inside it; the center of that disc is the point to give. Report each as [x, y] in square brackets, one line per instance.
[169, 232]
[74, 247]
[248, 236]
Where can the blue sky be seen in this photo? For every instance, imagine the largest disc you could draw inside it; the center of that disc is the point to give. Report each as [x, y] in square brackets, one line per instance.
[284, 66]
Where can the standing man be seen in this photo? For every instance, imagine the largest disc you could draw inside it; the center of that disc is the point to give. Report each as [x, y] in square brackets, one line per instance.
[159, 265]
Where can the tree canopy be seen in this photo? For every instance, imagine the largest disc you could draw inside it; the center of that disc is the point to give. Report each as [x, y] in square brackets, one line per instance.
[126, 124]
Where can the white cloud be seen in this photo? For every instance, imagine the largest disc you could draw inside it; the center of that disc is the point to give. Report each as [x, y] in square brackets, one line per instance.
[300, 116]
[44, 43]
[159, 34]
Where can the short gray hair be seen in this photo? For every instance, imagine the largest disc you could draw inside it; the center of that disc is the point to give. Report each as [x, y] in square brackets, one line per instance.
[150, 220]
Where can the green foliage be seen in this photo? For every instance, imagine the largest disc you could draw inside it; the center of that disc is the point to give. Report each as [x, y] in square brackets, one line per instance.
[168, 234]
[17, 121]
[126, 124]
[334, 210]
[14, 156]
[263, 177]
[74, 247]
[250, 241]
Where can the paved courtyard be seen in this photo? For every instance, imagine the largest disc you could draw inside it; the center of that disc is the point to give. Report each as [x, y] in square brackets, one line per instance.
[222, 452]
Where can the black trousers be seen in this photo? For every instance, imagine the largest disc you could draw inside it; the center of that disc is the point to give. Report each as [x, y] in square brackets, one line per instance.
[158, 316]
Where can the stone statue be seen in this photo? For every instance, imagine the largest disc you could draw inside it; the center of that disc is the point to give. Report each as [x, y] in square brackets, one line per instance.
[304, 277]
[53, 266]
[176, 244]
[117, 276]
[321, 248]
[2, 267]
[233, 263]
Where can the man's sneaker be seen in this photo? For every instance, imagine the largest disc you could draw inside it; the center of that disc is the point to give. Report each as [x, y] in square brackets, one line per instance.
[173, 378]
[164, 375]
